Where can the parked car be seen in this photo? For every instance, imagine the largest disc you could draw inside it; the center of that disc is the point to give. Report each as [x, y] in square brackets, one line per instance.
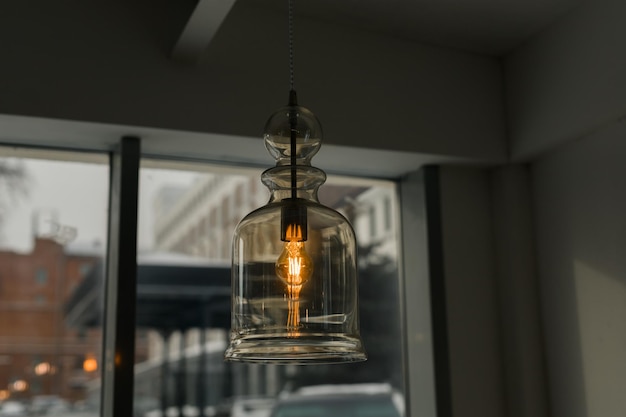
[354, 400]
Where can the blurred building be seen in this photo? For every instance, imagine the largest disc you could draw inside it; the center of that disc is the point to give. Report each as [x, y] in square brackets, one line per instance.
[39, 353]
[200, 220]
[376, 221]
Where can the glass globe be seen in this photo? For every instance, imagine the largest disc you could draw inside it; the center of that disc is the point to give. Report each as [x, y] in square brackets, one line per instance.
[294, 264]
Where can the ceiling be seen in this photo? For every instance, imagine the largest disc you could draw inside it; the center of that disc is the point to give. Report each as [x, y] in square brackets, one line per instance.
[491, 27]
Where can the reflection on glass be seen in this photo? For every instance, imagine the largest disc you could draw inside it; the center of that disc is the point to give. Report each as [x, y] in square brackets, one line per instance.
[187, 217]
[53, 221]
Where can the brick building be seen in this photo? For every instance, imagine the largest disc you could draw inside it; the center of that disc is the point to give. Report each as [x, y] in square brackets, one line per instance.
[39, 353]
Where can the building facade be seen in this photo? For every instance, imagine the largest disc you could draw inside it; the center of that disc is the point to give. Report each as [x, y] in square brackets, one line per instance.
[199, 221]
[39, 354]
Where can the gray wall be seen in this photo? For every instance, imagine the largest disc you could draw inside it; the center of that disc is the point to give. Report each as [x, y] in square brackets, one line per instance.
[566, 103]
[535, 275]
[535, 270]
[109, 63]
[495, 342]
[568, 81]
[580, 207]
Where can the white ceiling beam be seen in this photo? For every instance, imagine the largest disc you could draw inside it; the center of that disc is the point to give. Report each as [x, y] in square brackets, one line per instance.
[200, 29]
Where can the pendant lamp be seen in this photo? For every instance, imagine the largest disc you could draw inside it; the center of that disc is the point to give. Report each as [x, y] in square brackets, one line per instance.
[294, 260]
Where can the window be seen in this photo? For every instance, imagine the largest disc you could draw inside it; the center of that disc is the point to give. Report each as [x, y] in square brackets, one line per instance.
[41, 276]
[239, 195]
[373, 223]
[54, 217]
[388, 213]
[85, 268]
[182, 367]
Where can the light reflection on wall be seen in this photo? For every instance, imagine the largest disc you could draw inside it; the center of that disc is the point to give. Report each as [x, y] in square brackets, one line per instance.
[601, 304]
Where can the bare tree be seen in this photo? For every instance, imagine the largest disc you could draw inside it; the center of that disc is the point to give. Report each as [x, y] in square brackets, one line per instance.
[14, 185]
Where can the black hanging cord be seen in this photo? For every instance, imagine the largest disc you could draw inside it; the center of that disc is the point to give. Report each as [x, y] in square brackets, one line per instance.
[294, 215]
[291, 71]
[293, 102]
[293, 122]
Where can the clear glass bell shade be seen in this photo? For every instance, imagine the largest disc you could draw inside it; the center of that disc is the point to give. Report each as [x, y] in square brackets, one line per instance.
[294, 269]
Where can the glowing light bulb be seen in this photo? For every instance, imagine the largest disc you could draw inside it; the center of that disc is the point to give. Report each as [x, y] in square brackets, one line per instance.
[294, 267]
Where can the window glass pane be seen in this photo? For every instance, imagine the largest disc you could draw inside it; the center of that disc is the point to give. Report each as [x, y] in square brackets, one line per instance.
[41, 276]
[53, 224]
[187, 216]
[388, 213]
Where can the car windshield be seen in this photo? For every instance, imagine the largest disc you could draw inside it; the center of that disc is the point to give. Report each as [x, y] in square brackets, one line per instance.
[353, 407]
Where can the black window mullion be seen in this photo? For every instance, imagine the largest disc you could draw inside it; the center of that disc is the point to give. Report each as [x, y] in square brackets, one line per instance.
[121, 281]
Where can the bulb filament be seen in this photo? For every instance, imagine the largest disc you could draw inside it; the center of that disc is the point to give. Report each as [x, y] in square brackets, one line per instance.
[294, 267]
